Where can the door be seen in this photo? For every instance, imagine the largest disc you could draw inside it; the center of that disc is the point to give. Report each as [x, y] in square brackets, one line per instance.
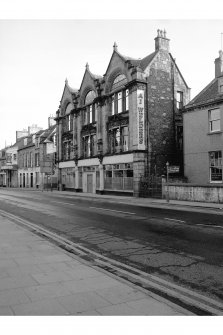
[90, 183]
[31, 180]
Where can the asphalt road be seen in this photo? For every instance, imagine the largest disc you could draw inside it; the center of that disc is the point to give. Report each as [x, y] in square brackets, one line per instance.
[180, 246]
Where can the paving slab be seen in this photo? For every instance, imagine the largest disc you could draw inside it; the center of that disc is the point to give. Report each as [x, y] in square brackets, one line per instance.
[39, 278]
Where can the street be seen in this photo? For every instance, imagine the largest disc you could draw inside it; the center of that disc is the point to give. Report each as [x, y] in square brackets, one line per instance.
[182, 247]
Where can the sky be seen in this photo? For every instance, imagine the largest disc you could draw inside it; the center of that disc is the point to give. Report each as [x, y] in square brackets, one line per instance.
[38, 55]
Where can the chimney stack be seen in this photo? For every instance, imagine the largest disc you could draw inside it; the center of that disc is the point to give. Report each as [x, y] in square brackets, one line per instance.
[219, 65]
[161, 41]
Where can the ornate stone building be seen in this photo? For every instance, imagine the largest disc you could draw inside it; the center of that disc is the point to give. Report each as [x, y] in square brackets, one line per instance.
[124, 125]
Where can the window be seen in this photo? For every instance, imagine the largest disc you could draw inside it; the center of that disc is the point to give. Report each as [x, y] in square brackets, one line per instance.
[119, 176]
[37, 159]
[179, 100]
[31, 159]
[67, 146]
[118, 139]
[89, 143]
[90, 114]
[120, 102]
[214, 120]
[215, 159]
[14, 157]
[120, 99]
[221, 89]
[9, 158]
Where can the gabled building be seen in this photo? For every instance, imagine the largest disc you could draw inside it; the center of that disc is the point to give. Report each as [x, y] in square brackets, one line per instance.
[122, 126]
[36, 159]
[203, 137]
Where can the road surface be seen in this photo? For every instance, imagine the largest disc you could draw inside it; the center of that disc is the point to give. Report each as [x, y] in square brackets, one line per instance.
[183, 247]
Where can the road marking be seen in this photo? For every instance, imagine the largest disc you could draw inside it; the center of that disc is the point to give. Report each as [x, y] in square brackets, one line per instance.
[175, 220]
[208, 225]
[61, 202]
[112, 210]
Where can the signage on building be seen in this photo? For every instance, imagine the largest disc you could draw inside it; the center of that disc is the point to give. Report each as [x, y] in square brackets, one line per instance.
[173, 169]
[141, 119]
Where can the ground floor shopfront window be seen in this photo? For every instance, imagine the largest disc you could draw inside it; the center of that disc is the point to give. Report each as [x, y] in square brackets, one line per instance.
[118, 177]
[68, 177]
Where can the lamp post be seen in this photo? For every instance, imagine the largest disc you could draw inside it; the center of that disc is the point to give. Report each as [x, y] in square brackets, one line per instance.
[167, 181]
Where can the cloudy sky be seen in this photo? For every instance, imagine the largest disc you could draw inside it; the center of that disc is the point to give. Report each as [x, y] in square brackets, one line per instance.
[38, 55]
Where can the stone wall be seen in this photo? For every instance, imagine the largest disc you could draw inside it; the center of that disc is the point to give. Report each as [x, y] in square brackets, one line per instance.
[193, 192]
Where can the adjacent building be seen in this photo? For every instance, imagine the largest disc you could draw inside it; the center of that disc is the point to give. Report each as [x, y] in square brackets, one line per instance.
[123, 126]
[36, 158]
[203, 132]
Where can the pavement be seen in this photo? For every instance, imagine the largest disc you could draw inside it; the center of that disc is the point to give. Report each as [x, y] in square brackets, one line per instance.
[39, 278]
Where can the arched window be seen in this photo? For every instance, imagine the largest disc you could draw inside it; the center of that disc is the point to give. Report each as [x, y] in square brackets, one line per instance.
[91, 95]
[119, 81]
[68, 117]
[120, 99]
[90, 115]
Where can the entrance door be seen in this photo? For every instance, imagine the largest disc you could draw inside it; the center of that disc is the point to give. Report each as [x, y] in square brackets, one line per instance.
[90, 183]
[31, 179]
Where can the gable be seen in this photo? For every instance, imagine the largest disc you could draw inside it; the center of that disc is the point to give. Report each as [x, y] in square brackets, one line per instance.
[88, 84]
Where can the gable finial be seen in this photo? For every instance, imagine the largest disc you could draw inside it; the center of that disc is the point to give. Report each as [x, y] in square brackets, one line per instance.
[115, 47]
[87, 66]
[164, 33]
[66, 81]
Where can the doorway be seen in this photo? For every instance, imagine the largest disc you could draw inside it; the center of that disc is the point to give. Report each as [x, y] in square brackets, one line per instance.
[89, 183]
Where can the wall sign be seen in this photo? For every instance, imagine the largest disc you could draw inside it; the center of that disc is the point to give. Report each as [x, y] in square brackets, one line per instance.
[141, 119]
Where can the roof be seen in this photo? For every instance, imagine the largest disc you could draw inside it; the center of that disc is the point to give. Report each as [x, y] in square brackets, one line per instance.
[147, 60]
[208, 95]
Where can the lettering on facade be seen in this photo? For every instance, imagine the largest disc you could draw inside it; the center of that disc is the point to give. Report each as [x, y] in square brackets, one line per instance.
[141, 119]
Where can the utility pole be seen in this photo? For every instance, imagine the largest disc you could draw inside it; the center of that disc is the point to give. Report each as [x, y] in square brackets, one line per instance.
[167, 182]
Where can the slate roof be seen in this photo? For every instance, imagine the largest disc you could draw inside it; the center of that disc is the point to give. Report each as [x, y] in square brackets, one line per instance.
[208, 95]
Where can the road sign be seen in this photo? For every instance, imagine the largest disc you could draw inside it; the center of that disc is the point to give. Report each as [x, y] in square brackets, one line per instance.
[173, 169]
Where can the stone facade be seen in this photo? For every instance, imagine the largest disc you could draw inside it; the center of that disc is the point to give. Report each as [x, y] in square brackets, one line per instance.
[122, 126]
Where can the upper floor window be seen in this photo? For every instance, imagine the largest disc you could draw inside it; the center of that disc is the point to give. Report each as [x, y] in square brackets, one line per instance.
[221, 88]
[89, 145]
[119, 81]
[118, 139]
[91, 95]
[37, 159]
[90, 113]
[179, 99]
[120, 102]
[120, 99]
[214, 120]
[9, 158]
[215, 161]
[14, 157]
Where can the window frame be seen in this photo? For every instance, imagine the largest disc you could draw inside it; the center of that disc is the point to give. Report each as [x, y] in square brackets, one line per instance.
[215, 166]
[211, 120]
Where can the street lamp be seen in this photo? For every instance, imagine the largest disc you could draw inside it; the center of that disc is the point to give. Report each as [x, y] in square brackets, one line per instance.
[167, 181]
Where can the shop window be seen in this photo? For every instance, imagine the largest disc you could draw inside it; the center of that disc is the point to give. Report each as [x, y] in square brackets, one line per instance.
[214, 120]
[215, 159]
[118, 139]
[119, 177]
[179, 99]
